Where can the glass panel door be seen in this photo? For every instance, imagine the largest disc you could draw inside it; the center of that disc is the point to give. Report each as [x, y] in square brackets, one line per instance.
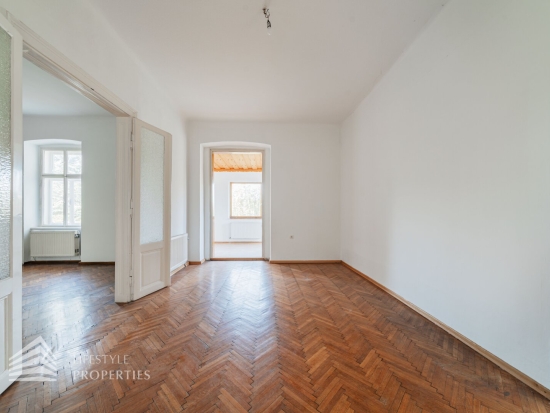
[152, 187]
[151, 216]
[5, 153]
[11, 162]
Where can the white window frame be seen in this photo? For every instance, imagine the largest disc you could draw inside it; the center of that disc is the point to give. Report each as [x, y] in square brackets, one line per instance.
[65, 177]
[231, 199]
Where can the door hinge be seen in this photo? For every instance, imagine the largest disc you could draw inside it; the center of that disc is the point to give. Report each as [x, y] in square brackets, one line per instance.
[131, 286]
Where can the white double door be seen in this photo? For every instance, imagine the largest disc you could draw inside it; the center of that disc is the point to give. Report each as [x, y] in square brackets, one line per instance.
[151, 188]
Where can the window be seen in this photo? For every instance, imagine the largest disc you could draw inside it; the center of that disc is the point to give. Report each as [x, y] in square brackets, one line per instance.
[246, 200]
[61, 187]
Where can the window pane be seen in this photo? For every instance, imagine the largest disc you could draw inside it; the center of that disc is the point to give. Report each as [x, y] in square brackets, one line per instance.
[74, 162]
[151, 187]
[74, 201]
[53, 162]
[246, 200]
[52, 198]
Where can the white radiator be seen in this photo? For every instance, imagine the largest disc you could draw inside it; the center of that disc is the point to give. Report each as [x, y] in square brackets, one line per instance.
[178, 251]
[55, 243]
[246, 230]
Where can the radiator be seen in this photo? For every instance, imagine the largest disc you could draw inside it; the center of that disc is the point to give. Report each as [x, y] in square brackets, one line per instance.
[246, 230]
[178, 251]
[55, 243]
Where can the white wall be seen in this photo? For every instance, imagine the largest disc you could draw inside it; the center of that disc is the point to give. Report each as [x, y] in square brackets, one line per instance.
[446, 177]
[304, 185]
[31, 194]
[222, 182]
[84, 36]
[98, 137]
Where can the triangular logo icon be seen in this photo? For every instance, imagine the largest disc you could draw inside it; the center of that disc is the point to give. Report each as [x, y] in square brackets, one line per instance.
[35, 362]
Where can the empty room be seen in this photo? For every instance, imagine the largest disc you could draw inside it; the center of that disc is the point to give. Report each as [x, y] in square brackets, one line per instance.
[275, 206]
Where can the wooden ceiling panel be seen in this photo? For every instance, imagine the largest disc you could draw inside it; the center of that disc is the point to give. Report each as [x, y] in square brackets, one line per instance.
[237, 161]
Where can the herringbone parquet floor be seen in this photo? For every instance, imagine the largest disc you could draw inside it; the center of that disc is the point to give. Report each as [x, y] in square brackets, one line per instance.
[249, 336]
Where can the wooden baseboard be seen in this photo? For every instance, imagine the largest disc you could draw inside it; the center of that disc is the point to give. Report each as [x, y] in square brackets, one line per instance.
[528, 381]
[181, 267]
[197, 262]
[238, 242]
[237, 259]
[305, 261]
[96, 263]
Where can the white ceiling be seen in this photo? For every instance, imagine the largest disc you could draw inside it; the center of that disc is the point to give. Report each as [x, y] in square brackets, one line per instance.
[216, 58]
[44, 94]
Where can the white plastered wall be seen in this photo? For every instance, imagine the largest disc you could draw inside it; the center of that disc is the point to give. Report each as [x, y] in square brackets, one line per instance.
[304, 169]
[445, 178]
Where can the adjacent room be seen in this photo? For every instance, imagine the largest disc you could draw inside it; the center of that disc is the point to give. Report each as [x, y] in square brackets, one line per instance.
[281, 206]
[69, 173]
[237, 205]
[68, 207]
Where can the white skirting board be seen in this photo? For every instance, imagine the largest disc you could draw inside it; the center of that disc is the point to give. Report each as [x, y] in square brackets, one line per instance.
[178, 251]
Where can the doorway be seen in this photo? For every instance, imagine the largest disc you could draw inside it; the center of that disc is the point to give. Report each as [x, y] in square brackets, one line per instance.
[131, 279]
[61, 172]
[69, 173]
[237, 208]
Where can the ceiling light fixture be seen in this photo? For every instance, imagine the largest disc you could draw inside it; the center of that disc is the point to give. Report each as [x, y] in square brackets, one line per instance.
[266, 14]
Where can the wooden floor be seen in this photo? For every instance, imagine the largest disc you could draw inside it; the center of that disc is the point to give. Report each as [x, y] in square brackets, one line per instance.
[251, 336]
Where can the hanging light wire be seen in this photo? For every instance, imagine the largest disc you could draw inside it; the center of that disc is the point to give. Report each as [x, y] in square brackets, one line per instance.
[267, 16]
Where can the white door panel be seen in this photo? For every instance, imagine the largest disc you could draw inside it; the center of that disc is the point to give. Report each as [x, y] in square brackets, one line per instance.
[151, 216]
[11, 162]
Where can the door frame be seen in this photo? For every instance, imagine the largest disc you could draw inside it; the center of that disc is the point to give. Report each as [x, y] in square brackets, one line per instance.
[206, 150]
[210, 251]
[48, 58]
